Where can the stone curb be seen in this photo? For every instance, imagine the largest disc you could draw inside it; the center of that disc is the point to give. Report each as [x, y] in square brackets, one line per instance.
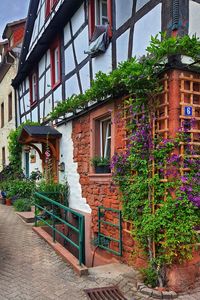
[143, 289]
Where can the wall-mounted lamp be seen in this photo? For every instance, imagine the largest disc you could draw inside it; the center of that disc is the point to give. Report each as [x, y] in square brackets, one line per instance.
[61, 167]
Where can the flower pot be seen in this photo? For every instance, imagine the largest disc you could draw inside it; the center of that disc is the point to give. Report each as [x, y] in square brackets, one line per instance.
[102, 169]
[8, 201]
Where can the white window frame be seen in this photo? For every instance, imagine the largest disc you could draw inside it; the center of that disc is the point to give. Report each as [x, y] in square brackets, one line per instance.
[103, 152]
[98, 12]
[56, 65]
[34, 87]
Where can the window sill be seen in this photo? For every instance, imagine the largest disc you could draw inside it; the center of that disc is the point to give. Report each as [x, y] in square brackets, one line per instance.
[104, 177]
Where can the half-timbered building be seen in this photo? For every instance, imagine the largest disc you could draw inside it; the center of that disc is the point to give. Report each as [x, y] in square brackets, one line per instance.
[9, 57]
[66, 44]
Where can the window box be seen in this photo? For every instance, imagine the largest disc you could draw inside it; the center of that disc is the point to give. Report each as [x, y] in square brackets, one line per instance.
[102, 169]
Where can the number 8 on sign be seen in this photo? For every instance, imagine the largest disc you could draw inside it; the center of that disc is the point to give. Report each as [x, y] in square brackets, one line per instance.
[188, 111]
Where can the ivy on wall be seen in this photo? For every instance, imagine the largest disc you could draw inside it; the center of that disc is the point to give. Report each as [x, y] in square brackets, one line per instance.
[15, 148]
[138, 77]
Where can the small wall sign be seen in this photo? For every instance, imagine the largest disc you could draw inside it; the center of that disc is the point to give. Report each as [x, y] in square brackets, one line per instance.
[188, 111]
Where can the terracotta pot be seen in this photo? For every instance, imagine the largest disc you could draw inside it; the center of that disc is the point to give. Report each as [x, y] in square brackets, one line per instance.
[8, 201]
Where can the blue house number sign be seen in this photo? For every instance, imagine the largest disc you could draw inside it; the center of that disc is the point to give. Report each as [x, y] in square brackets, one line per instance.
[188, 111]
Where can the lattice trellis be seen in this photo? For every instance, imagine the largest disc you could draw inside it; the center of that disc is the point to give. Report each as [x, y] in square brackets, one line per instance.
[190, 98]
[188, 87]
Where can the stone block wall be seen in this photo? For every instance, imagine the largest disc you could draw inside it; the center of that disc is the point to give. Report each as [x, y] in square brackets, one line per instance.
[99, 189]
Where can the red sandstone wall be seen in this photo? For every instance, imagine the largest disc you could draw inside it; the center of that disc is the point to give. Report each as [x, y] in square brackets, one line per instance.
[99, 190]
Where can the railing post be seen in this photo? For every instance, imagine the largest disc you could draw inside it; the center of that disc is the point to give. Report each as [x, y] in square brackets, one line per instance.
[35, 216]
[99, 224]
[120, 233]
[54, 233]
[80, 225]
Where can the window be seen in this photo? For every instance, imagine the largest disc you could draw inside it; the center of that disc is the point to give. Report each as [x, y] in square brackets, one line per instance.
[9, 107]
[49, 4]
[2, 115]
[102, 138]
[105, 138]
[55, 63]
[100, 13]
[3, 157]
[33, 85]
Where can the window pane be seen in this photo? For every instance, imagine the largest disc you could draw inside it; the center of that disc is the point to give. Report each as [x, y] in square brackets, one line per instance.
[104, 9]
[56, 61]
[103, 13]
[105, 137]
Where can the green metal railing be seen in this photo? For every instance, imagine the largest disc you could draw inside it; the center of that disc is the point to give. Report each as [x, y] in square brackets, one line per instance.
[51, 208]
[104, 240]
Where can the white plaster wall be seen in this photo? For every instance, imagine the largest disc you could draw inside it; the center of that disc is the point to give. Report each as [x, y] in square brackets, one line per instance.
[194, 17]
[78, 19]
[48, 105]
[37, 31]
[71, 86]
[103, 62]
[41, 87]
[48, 81]
[123, 11]
[22, 105]
[69, 60]
[76, 201]
[20, 90]
[48, 57]
[122, 46]
[141, 3]
[41, 66]
[5, 90]
[81, 44]
[67, 34]
[23, 119]
[149, 25]
[85, 77]
[42, 15]
[35, 115]
[41, 111]
[27, 101]
[57, 94]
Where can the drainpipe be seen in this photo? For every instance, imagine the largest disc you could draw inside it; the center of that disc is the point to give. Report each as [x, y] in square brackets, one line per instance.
[175, 17]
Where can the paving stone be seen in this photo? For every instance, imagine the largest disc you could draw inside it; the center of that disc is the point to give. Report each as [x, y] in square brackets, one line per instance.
[29, 269]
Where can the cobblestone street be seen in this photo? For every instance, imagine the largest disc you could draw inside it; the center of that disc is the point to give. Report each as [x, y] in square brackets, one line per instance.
[29, 269]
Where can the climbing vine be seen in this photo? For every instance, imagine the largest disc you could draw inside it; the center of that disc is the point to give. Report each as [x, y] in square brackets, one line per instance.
[15, 148]
[163, 204]
[171, 225]
[138, 77]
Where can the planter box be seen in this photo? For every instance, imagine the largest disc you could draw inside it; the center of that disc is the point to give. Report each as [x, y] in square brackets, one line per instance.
[102, 169]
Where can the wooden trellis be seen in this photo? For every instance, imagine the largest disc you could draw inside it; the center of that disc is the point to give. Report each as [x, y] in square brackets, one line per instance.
[190, 100]
[188, 87]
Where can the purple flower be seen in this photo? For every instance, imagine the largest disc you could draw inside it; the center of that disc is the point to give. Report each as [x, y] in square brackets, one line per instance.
[184, 179]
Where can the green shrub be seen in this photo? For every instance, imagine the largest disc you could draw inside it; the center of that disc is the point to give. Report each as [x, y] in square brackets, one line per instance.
[56, 191]
[21, 188]
[150, 276]
[22, 204]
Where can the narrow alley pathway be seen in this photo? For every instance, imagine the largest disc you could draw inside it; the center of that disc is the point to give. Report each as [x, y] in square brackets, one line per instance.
[29, 269]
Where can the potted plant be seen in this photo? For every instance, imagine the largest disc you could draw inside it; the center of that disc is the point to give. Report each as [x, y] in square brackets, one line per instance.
[33, 158]
[101, 164]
